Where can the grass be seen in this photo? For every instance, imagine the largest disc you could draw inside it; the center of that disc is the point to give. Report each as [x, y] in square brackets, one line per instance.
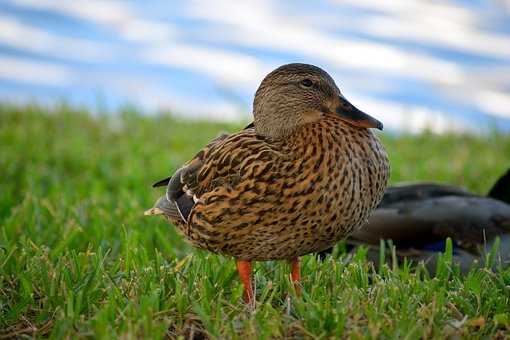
[78, 259]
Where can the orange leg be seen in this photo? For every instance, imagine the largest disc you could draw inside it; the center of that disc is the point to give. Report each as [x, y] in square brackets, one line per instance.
[296, 275]
[244, 269]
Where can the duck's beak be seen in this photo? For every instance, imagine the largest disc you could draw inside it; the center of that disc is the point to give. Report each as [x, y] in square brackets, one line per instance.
[352, 115]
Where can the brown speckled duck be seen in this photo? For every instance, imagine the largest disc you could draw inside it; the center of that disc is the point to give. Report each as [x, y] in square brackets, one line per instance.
[304, 175]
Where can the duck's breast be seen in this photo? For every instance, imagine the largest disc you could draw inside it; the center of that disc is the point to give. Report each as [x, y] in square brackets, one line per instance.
[342, 180]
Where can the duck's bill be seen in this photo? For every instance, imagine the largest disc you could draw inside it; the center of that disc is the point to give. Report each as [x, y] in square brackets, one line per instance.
[352, 115]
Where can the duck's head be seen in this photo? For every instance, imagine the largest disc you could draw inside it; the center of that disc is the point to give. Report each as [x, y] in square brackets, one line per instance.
[297, 94]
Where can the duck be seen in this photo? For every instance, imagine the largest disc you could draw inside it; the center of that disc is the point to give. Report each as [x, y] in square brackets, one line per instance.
[419, 217]
[304, 174]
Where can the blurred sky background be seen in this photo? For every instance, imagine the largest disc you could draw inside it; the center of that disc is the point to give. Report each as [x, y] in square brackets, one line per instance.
[443, 65]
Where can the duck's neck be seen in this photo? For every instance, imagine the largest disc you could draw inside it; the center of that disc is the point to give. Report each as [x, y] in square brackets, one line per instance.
[274, 128]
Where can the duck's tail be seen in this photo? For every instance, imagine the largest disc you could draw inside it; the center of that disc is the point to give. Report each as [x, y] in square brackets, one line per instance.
[163, 207]
[501, 189]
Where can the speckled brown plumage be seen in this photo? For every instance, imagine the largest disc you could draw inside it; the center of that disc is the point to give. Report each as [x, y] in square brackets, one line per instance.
[261, 200]
[304, 175]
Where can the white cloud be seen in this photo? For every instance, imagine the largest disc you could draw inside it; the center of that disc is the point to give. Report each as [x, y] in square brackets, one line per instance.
[161, 45]
[19, 35]
[259, 24]
[410, 118]
[439, 23]
[33, 72]
[117, 15]
[215, 110]
[146, 93]
[225, 67]
[251, 23]
[263, 25]
[485, 88]
[495, 102]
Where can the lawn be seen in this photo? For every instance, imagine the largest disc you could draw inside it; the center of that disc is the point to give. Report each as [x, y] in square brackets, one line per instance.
[79, 259]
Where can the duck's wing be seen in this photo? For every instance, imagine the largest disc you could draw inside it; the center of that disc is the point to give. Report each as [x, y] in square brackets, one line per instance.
[220, 165]
[419, 214]
[165, 181]
[178, 200]
[420, 191]
[410, 214]
[221, 136]
[469, 220]
[419, 217]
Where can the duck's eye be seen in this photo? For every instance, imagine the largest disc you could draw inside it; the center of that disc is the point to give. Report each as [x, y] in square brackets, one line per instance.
[306, 83]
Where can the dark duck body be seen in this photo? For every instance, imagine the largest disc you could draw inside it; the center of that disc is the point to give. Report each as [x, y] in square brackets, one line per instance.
[304, 175]
[419, 217]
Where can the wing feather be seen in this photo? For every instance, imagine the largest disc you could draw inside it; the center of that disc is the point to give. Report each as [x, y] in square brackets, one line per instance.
[215, 165]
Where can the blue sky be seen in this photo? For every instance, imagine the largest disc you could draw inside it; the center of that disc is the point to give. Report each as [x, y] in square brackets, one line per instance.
[443, 65]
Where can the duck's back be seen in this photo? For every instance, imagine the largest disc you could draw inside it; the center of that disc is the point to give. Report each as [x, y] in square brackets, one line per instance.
[261, 200]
